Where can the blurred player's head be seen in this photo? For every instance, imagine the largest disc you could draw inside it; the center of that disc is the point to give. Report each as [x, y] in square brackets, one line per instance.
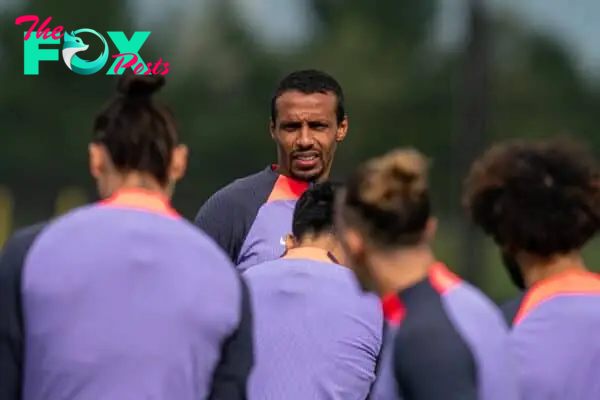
[312, 224]
[538, 200]
[135, 140]
[385, 209]
[308, 119]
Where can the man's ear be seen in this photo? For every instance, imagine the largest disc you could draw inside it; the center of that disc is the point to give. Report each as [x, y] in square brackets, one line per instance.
[430, 229]
[97, 159]
[342, 130]
[290, 242]
[272, 128]
[179, 160]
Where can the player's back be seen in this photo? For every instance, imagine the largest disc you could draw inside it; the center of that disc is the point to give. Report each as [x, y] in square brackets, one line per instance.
[555, 338]
[445, 340]
[317, 335]
[125, 304]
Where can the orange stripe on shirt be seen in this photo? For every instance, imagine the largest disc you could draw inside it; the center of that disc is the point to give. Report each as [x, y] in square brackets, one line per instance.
[442, 279]
[394, 310]
[141, 199]
[572, 282]
[287, 189]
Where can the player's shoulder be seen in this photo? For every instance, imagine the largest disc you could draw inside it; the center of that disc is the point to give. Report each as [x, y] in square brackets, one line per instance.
[258, 185]
[25, 236]
[18, 244]
[479, 305]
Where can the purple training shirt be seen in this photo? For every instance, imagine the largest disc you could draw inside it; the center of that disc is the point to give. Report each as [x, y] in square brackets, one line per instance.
[126, 301]
[554, 338]
[318, 336]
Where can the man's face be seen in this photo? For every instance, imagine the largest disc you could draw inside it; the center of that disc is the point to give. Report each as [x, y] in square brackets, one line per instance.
[306, 132]
[353, 249]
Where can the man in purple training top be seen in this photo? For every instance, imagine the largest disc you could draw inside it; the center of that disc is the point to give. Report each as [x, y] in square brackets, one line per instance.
[250, 217]
[317, 335]
[540, 202]
[445, 340]
[124, 299]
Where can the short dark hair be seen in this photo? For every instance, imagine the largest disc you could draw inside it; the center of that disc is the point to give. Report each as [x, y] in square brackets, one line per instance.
[138, 132]
[310, 81]
[315, 209]
[537, 196]
[388, 197]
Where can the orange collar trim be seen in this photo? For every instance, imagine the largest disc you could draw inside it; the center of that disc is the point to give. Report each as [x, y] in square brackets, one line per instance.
[141, 199]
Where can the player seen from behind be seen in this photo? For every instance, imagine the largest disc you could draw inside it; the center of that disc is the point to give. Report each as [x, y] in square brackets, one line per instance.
[445, 339]
[540, 202]
[124, 299]
[318, 336]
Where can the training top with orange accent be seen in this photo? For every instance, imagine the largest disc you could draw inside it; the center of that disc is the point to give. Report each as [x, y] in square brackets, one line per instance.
[250, 217]
[122, 299]
[444, 340]
[554, 335]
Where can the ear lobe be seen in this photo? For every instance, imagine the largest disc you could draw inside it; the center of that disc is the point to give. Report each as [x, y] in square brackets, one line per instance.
[355, 242]
[272, 129]
[96, 159]
[290, 242]
[179, 162]
[431, 229]
[342, 130]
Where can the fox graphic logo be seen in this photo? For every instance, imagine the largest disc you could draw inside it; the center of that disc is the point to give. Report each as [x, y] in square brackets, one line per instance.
[128, 56]
[73, 45]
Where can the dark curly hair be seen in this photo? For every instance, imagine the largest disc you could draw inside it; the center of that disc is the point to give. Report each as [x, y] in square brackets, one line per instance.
[538, 196]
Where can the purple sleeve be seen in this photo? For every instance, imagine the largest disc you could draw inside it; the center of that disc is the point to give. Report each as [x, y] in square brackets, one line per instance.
[227, 215]
[237, 357]
[12, 258]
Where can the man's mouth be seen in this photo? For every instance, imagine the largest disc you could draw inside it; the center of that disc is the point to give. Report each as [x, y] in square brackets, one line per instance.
[305, 161]
[306, 157]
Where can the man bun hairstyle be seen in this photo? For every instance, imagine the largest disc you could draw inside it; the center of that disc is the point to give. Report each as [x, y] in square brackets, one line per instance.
[138, 132]
[389, 196]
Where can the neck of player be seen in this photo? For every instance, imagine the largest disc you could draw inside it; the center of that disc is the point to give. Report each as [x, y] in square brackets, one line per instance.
[536, 269]
[325, 243]
[138, 180]
[397, 270]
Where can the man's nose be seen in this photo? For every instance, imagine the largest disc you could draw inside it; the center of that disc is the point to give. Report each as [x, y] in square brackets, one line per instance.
[304, 138]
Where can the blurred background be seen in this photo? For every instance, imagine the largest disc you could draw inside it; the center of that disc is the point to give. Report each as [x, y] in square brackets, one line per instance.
[445, 76]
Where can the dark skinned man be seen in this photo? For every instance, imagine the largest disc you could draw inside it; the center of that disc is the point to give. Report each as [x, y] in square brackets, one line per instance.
[250, 217]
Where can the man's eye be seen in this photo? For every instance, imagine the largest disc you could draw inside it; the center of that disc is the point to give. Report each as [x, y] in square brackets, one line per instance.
[318, 126]
[291, 127]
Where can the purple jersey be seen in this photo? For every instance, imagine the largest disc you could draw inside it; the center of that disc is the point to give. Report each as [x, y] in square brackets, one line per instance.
[125, 300]
[445, 340]
[318, 336]
[554, 337]
[250, 217]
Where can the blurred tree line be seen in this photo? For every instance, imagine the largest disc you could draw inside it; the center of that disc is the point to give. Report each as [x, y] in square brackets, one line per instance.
[401, 90]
